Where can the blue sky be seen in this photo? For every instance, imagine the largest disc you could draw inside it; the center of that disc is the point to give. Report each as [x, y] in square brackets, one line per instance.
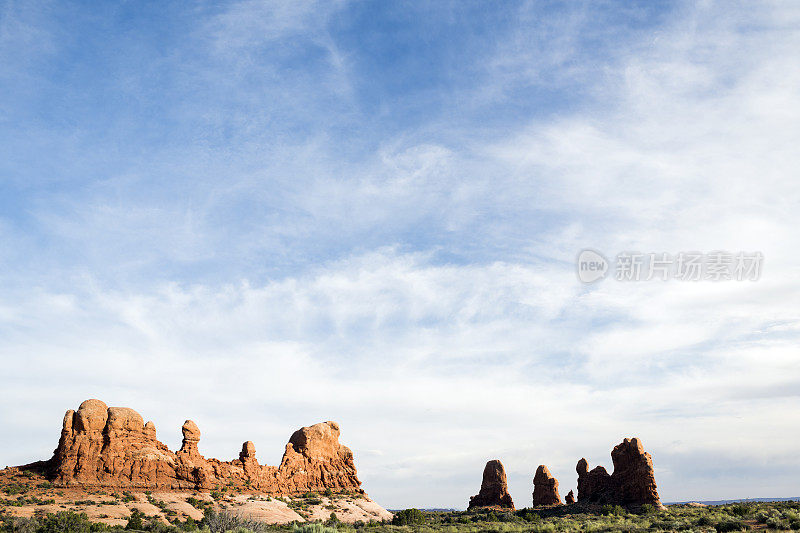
[261, 215]
[128, 100]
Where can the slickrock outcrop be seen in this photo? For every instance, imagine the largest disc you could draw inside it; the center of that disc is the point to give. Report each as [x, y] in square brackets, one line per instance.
[545, 488]
[633, 481]
[570, 497]
[113, 447]
[494, 488]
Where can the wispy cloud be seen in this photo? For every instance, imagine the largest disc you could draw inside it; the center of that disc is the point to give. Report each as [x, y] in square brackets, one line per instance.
[289, 240]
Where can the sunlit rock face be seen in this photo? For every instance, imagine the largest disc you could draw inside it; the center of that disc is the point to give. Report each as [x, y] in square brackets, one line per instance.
[113, 447]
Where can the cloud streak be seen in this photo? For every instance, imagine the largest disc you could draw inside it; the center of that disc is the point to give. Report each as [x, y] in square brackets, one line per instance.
[290, 240]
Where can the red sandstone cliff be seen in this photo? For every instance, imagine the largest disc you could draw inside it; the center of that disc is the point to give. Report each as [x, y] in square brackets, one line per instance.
[113, 447]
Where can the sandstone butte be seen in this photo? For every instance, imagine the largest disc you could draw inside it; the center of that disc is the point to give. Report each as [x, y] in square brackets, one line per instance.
[633, 481]
[494, 488]
[103, 446]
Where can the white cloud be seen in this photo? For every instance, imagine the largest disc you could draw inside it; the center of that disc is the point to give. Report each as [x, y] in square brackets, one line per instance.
[471, 339]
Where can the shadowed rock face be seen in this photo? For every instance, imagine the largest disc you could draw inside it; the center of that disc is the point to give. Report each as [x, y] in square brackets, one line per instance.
[633, 473]
[545, 488]
[633, 481]
[494, 488]
[570, 498]
[113, 447]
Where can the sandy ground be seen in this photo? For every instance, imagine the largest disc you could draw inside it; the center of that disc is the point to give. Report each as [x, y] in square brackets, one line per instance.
[114, 506]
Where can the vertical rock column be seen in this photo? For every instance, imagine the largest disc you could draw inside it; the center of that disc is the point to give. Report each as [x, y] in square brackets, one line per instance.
[545, 488]
[494, 488]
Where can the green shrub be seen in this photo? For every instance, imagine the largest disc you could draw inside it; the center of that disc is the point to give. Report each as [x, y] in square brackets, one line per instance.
[65, 522]
[777, 523]
[408, 517]
[332, 520]
[613, 510]
[198, 504]
[314, 528]
[648, 509]
[528, 515]
[740, 509]
[15, 488]
[225, 521]
[731, 525]
[705, 520]
[19, 525]
[136, 520]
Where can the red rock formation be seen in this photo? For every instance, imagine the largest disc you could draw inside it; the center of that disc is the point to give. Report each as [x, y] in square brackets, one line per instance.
[570, 498]
[111, 446]
[633, 481]
[101, 445]
[248, 459]
[592, 486]
[633, 473]
[545, 488]
[191, 436]
[494, 488]
[314, 458]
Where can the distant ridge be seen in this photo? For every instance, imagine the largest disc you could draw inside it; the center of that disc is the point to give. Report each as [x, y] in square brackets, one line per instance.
[742, 500]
